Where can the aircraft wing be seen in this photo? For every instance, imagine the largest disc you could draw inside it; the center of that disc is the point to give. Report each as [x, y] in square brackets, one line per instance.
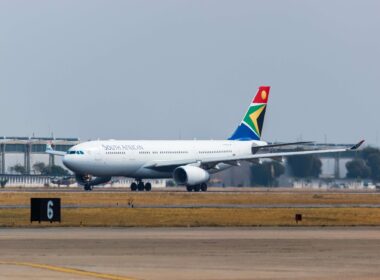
[49, 150]
[167, 164]
[295, 153]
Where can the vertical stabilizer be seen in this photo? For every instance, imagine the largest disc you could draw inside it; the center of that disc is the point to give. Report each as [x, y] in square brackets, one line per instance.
[252, 124]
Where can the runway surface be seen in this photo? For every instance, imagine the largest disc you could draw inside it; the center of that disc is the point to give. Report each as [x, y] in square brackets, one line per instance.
[190, 253]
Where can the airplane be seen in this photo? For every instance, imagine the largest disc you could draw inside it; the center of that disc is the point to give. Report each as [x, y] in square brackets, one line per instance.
[188, 162]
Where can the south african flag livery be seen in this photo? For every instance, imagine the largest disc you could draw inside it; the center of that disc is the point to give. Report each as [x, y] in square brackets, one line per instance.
[252, 124]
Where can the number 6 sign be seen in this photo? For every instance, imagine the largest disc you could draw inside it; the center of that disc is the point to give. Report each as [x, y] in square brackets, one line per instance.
[50, 211]
[45, 209]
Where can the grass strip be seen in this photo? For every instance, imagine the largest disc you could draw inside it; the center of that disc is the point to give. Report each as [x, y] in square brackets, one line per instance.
[197, 217]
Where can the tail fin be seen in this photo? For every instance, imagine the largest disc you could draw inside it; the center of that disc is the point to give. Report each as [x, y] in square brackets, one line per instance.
[252, 124]
[49, 150]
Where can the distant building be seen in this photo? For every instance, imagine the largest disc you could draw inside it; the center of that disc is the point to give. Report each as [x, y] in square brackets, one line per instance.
[343, 184]
[28, 146]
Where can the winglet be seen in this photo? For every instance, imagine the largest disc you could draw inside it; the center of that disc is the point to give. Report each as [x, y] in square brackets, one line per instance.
[355, 147]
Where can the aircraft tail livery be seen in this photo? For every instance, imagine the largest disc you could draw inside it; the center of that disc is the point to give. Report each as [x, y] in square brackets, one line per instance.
[252, 124]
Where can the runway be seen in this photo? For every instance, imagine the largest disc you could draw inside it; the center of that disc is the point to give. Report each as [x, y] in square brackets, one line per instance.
[190, 253]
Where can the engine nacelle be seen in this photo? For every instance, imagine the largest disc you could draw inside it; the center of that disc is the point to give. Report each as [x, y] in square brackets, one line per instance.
[190, 175]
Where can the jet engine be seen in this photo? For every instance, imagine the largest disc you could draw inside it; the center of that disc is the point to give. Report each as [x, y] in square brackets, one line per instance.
[190, 175]
[88, 181]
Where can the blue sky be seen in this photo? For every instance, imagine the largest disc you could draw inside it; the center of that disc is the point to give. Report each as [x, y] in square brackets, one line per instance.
[188, 69]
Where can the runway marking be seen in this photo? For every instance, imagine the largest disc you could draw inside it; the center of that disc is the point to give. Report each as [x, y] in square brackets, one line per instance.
[68, 270]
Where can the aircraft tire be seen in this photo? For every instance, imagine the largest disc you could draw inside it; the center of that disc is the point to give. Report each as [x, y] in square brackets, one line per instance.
[197, 188]
[140, 186]
[88, 188]
[148, 187]
[189, 188]
[133, 187]
[204, 187]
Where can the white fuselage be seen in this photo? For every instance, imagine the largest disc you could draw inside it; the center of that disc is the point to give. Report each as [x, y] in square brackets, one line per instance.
[133, 158]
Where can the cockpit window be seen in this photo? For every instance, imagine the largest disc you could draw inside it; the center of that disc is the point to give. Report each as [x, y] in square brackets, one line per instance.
[75, 152]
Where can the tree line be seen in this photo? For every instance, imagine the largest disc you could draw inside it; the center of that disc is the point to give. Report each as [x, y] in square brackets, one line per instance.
[366, 165]
[41, 168]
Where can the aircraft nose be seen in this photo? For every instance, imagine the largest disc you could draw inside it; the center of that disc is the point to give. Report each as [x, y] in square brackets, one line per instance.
[68, 161]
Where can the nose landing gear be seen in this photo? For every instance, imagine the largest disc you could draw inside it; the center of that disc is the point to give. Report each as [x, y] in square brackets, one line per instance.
[140, 186]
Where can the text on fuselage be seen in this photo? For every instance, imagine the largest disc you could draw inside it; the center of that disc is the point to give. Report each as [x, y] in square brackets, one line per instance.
[123, 147]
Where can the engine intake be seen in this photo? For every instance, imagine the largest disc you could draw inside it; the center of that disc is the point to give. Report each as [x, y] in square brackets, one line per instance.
[190, 175]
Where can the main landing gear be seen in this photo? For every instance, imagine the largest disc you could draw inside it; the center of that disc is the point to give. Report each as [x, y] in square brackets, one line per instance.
[140, 186]
[197, 188]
